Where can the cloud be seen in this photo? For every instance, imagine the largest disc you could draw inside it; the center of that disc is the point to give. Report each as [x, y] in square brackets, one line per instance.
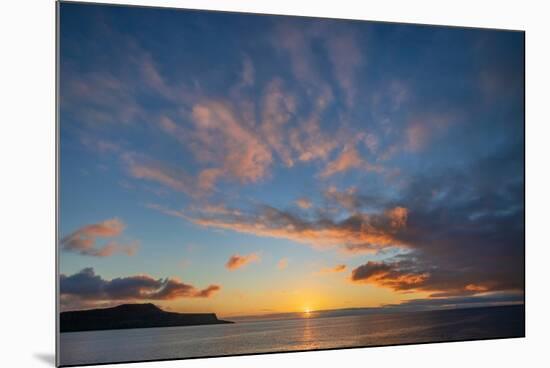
[347, 199]
[141, 167]
[301, 43]
[417, 136]
[393, 275]
[166, 211]
[152, 76]
[296, 42]
[84, 240]
[208, 178]
[282, 264]
[348, 159]
[424, 127]
[247, 75]
[335, 269]
[87, 287]
[111, 93]
[453, 302]
[173, 177]
[359, 232]
[346, 58]
[224, 140]
[237, 261]
[303, 203]
[279, 106]
[464, 230]
[398, 217]
[310, 142]
[98, 98]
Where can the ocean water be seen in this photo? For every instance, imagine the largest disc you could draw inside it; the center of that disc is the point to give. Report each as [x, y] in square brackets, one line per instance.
[248, 337]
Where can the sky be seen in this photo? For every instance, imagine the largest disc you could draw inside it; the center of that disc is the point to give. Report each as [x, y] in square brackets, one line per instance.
[252, 164]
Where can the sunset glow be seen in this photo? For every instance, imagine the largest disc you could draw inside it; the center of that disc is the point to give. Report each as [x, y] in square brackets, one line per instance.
[247, 165]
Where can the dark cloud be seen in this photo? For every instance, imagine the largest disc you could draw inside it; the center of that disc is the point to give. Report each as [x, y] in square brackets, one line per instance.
[491, 299]
[465, 230]
[394, 275]
[358, 232]
[86, 287]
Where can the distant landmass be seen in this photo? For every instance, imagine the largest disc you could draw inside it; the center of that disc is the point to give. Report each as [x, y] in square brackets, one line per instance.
[132, 316]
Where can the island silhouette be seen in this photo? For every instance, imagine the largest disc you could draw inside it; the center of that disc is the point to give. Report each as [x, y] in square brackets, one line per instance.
[127, 316]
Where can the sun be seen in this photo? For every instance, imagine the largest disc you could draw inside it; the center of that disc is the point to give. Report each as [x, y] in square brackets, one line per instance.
[307, 311]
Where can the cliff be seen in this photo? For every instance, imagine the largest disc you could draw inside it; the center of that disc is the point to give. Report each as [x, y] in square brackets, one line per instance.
[131, 316]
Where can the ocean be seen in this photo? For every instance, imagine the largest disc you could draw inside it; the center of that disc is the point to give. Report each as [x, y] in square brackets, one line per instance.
[298, 334]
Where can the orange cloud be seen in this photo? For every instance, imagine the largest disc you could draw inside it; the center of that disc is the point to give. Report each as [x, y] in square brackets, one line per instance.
[349, 159]
[389, 275]
[237, 261]
[282, 264]
[310, 142]
[335, 269]
[224, 140]
[83, 240]
[475, 287]
[398, 217]
[358, 233]
[303, 203]
[408, 275]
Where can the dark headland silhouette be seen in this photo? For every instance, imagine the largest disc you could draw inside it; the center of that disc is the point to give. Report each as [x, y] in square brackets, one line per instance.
[131, 316]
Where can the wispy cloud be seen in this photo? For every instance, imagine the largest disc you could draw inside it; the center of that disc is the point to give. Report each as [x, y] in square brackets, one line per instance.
[279, 106]
[84, 240]
[336, 269]
[359, 232]
[237, 261]
[346, 58]
[223, 140]
[170, 176]
[348, 159]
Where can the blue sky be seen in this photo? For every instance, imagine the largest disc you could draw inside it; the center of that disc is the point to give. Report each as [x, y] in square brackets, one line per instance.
[340, 163]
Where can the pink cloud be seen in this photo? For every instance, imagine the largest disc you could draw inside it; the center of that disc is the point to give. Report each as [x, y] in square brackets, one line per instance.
[237, 261]
[348, 159]
[303, 203]
[346, 59]
[282, 264]
[279, 106]
[84, 240]
[226, 142]
[359, 233]
[141, 167]
[417, 136]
